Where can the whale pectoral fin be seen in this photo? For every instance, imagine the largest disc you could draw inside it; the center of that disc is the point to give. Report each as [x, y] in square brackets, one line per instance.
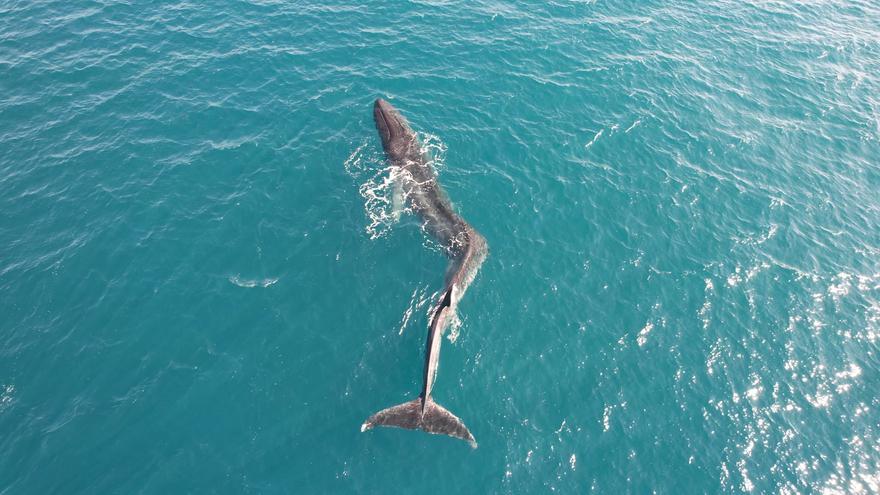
[449, 296]
[445, 302]
[433, 419]
[398, 198]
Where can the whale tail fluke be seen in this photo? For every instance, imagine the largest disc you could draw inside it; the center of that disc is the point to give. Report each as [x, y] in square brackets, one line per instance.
[433, 418]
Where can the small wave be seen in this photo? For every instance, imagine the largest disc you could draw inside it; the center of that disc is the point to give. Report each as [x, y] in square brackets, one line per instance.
[353, 164]
[757, 239]
[418, 300]
[6, 396]
[634, 124]
[251, 283]
[595, 138]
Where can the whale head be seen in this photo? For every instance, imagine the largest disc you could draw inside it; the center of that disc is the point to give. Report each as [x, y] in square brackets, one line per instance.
[397, 137]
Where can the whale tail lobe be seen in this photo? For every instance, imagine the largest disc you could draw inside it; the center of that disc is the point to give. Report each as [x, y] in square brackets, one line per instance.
[421, 414]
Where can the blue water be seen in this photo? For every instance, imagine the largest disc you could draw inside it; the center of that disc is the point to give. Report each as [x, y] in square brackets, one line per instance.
[204, 288]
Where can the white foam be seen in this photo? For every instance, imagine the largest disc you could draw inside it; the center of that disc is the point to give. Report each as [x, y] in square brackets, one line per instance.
[595, 138]
[251, 283]
[384, 186]
[634, 124]
[643, 333]
[6, 396]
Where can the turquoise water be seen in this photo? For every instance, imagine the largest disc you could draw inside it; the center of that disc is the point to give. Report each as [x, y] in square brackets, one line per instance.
[203, 288]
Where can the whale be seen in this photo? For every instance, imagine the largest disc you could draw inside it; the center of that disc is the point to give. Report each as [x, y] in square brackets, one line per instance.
[460, 242]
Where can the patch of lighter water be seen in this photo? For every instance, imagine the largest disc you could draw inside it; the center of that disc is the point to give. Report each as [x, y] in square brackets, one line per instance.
[861, 477]
[251, 283]
[383, 186]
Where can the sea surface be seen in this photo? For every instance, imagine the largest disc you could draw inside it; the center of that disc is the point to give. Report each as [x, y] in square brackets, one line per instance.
[206, 285]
